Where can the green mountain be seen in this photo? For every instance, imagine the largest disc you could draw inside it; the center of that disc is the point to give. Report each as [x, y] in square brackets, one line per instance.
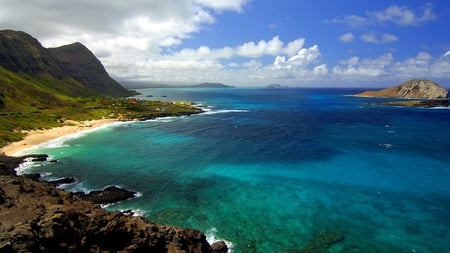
[43, 88]
[75, 68]
[79, 63]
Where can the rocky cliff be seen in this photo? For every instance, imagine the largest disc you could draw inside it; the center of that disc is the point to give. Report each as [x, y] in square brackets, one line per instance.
[37, 217]
[24, 55]
[416, 88]
[79, 62]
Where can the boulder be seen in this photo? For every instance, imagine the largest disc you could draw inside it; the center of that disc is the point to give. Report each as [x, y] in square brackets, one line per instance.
[219, 247]
[110, 194]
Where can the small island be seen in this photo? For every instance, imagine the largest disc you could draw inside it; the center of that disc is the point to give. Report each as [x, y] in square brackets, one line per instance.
[412, 93]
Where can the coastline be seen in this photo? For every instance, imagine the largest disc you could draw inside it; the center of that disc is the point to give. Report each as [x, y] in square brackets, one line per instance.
[35, 138]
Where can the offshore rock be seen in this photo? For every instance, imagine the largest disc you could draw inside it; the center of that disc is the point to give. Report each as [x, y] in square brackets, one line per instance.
[219, 247]
[37, 217]
[108, 195]
[416, 88]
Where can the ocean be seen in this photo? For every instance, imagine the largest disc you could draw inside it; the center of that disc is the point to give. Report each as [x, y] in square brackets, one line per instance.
[277, 170]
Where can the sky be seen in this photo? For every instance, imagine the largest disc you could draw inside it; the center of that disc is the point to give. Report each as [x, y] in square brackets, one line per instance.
[308, 43]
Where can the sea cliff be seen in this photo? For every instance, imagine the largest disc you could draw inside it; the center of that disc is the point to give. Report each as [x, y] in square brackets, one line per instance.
[37, 217]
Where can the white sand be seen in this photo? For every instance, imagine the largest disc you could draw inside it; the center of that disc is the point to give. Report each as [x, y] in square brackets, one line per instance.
[37, 137]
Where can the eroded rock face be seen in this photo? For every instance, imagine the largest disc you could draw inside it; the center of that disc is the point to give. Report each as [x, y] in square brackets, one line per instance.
[416, 88]
[37, 217]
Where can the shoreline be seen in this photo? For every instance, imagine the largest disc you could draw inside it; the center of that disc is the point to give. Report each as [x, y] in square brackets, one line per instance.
[35, 138]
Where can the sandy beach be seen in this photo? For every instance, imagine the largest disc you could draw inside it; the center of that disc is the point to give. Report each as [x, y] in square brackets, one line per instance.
[37, 137]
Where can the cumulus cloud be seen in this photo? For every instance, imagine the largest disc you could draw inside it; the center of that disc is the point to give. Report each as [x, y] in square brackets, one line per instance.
[366, 67]
[154, 23]
[304, 57]
[378, 39]
[394, 14]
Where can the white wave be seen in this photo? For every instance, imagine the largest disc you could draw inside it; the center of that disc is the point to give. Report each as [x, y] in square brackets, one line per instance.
[210, 112]
[133, 212]
[29, 164]
[79, 187]
[440, 108]
[385, 145]
[211, 238]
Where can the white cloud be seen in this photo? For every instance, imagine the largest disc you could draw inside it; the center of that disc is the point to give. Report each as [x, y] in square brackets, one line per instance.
[347, 37]
[253, 50]
[366, 67]
[143, 40]
[374, 38]
[217, 5]
[404, 15]
[304, 57]
[399, 15]
[447, 54]
[320, 70]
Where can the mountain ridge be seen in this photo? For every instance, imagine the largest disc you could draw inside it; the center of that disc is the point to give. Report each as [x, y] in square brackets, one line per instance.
[73, 65]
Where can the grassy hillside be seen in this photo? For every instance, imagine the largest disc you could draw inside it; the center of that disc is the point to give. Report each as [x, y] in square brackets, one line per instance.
[41, 101]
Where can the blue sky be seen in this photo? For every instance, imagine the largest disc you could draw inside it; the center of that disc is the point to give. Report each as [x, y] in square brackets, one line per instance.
[249, 42]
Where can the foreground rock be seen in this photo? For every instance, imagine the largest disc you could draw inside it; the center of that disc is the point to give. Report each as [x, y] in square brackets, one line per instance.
[37, 217]
[416, 88]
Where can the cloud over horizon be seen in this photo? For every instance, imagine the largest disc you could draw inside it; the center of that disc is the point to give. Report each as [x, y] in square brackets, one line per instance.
[160, 41]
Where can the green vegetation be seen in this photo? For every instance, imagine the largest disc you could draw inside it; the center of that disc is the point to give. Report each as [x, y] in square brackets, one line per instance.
[30, 102]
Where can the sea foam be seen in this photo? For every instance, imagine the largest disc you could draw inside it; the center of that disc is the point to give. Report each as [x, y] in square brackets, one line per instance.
[210, 112]
[211, 238]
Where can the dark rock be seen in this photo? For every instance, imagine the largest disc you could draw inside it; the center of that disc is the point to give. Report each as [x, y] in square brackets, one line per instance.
[108, 195]
[58, 222]
[66, 180]
[36, 157]
[2, 197]
[8, 164]
[219, 247]
[36, 217]
[34, 176]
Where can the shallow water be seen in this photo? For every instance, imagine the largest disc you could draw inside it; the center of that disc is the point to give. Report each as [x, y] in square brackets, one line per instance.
[269, 169]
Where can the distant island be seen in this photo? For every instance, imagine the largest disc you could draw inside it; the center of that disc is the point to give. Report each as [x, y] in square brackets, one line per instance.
[276, 86]
[415, 93]
[137, 85]
[415, 88]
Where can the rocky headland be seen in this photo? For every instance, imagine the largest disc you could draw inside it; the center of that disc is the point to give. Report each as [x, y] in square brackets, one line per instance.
[37, 217]
[414, 93]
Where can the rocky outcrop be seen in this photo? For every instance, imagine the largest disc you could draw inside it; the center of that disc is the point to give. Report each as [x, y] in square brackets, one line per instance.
[416, 88]
[108, 195]
[37, 217]
[79, 62]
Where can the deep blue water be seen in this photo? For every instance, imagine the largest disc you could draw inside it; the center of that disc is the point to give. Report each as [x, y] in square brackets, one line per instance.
[267, 169]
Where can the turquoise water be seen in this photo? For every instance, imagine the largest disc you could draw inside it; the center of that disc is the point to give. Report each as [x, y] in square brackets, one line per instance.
[269, 169]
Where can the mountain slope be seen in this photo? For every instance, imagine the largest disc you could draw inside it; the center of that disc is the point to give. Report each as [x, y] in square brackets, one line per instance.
[77, 69]
[81, 64]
